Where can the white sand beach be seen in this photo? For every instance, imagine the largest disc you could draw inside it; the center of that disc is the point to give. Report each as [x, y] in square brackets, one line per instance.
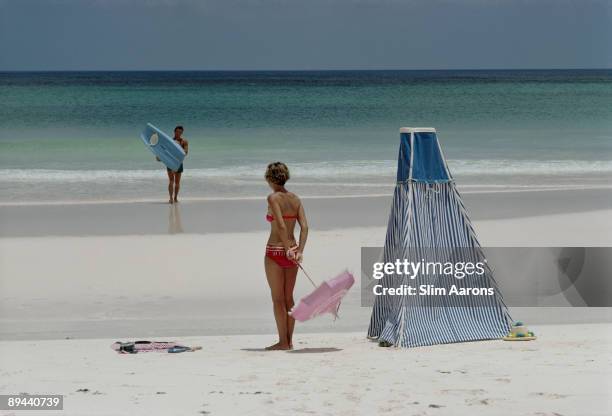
[65, 297]
[567, 371]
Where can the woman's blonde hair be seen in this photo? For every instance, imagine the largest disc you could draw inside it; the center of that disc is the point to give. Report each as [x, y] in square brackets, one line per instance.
[277, 173]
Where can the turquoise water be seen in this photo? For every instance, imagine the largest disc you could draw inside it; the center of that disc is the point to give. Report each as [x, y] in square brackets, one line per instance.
[75, 135]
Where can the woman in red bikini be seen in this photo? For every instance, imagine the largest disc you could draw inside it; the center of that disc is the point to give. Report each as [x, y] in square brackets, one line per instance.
[282, 252]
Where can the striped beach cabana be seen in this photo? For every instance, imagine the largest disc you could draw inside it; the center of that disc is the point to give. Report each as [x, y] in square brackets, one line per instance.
[429, 220]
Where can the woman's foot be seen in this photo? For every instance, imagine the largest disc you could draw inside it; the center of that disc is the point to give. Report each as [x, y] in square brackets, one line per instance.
[279, 347]
[170, 201]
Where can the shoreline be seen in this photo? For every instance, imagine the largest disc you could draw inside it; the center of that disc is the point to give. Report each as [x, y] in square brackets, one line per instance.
[463, 189]
[246, 215]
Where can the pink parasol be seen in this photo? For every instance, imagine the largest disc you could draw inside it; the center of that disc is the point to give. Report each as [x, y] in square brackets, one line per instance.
[324, 299]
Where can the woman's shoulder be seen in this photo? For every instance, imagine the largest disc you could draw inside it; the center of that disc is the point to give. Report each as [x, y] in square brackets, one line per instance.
[278, 196]
[295, 200]
[274, 196]
[295, 197]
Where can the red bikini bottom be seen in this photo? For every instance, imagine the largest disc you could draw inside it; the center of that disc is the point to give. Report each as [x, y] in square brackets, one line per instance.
[279, 256]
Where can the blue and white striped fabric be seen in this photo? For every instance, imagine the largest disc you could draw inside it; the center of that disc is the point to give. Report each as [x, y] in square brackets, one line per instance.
[428, 217]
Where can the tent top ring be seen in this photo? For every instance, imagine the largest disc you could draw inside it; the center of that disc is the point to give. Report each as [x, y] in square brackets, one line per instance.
[417, 130]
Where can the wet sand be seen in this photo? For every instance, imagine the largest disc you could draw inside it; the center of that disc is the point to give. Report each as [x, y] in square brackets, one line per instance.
[240, 215]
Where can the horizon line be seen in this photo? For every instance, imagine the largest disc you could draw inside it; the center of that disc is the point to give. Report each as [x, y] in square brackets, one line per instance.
[307, 70]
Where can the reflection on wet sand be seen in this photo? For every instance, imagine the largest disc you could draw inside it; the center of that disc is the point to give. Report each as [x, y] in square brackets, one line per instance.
[175, 225]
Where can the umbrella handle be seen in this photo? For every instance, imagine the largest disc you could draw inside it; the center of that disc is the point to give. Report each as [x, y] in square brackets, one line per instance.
[311, 281]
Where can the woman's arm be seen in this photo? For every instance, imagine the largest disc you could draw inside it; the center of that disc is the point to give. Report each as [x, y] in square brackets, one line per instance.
[280, 222]
[303, 231]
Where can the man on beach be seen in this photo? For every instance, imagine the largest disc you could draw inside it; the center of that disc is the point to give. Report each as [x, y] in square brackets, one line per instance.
[174, 178]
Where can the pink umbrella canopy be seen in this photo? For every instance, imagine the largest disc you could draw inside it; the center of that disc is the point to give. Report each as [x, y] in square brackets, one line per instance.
[324, 299]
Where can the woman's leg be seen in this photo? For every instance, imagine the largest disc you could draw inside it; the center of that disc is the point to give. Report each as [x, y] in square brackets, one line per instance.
[290, 277]
[276, 279]
[170, 183]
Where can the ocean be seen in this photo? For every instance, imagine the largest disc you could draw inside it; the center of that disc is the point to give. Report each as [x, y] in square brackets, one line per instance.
[74, 136]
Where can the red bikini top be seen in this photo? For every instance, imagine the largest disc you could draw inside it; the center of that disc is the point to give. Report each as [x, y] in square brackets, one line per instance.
[270, 218]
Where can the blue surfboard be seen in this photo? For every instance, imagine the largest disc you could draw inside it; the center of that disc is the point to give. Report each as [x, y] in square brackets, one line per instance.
[163, 146]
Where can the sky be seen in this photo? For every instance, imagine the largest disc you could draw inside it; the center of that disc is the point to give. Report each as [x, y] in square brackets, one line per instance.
[304, 34]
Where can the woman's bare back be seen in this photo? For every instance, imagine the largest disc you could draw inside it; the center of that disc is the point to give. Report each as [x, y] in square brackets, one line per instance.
[290, 207]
